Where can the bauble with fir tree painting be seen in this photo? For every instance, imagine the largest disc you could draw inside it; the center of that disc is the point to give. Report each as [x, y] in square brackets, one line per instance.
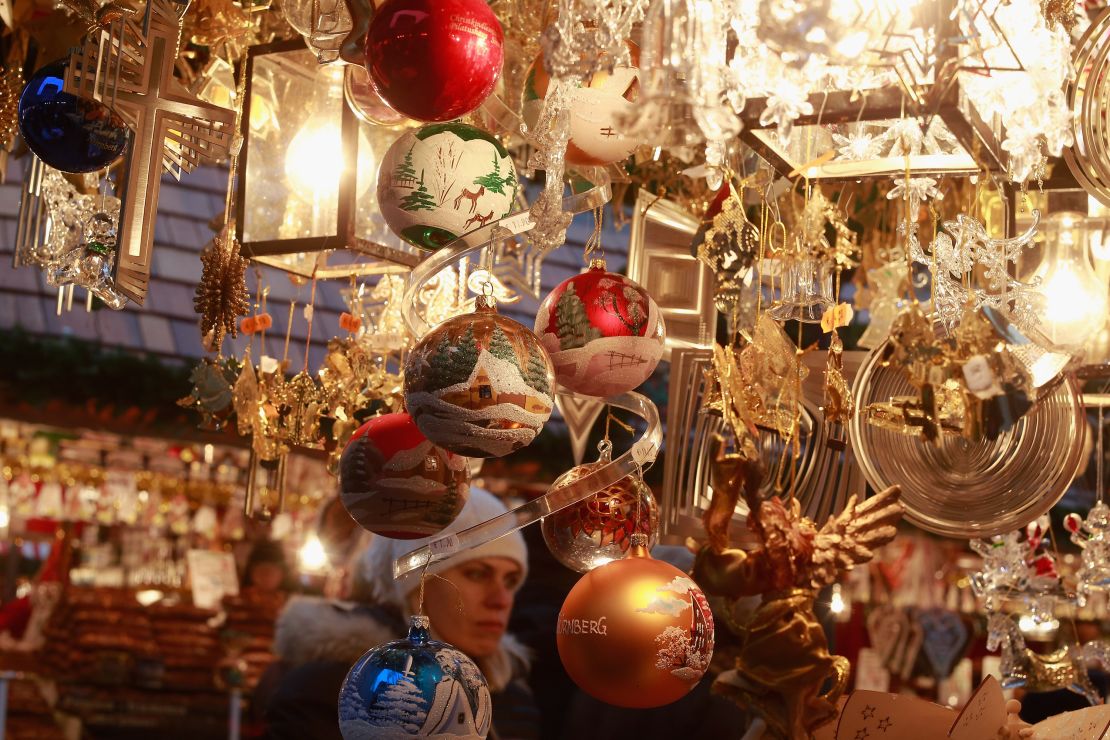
[441, 181]
[480, 384]
[396, 483]
[415, 687]
[604, 332]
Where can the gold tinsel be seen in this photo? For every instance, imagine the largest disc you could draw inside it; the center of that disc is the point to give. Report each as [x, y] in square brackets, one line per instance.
[221, 296]
[11, 85]
[1059, 11]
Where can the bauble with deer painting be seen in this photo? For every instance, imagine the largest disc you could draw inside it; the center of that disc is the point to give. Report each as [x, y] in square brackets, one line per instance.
[441, 181]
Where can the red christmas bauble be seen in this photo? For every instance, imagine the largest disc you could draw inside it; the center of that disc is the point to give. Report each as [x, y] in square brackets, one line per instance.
[396, 483]
[604, 332]
[434, 60]
[636, 633]
[599, 530]
[479, 384]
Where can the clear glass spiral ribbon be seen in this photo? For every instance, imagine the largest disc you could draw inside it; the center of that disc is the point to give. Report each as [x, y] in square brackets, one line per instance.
[641, 453]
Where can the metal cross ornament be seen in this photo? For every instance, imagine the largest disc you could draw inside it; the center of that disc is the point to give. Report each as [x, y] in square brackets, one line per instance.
[129, 68]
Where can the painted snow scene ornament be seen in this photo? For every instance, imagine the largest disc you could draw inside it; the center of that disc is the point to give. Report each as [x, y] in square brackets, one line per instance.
[604, 332]
[479, 384]
[597, 107]
[637, 632]
[396, 483]
[440, 181]
[415, 687]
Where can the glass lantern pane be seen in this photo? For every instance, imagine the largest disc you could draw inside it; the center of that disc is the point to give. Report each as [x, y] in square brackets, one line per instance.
[294, 159]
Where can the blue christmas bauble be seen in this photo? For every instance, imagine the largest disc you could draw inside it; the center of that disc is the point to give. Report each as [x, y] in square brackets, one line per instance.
[414, 687]
[68, 132]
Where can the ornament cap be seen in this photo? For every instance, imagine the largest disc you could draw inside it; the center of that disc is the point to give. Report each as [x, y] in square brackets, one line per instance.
[639, 542]
[597, 263]
[484, 302]
[418, 629]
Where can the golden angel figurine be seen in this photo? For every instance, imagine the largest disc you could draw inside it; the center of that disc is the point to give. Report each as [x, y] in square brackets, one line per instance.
[784, 661]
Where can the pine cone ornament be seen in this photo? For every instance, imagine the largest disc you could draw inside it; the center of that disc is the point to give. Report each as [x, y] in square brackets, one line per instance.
[221, 296]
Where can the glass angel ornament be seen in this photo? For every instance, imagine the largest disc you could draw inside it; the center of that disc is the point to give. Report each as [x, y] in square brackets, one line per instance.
[1093, 537]
[90, 265]
[784, 672]
[1014, 566]
[682, 55]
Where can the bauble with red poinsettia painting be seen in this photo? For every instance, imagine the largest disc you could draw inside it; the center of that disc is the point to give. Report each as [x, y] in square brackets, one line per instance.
[479, 384]
[394, 482]
[604, 332]
[599, 529]
[636, 633]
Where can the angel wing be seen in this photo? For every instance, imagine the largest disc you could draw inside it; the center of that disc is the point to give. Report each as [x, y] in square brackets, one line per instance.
[851, 537]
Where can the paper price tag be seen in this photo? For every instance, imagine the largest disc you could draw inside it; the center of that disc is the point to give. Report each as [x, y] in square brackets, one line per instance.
[518, 222]
[448, 545]
[643, 452]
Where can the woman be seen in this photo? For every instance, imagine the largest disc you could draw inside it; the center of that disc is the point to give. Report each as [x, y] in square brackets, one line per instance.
[468, 599]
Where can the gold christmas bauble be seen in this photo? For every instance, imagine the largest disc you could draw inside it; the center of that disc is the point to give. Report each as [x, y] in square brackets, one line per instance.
[636, 632]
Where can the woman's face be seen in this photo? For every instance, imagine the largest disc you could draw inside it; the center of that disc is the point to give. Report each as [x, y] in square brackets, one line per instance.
[469, 604]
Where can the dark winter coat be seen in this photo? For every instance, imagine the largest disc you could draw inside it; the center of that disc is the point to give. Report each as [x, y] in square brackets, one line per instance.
[317, 641]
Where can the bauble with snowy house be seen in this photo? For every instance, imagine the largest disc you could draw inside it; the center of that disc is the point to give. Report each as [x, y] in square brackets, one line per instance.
[480, 384]
[439, 182]
[604, 332]
[415, 687]
[637, 632]
[394, 482]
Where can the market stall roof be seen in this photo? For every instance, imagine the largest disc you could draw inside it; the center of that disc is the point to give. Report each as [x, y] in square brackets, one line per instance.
[167, 325]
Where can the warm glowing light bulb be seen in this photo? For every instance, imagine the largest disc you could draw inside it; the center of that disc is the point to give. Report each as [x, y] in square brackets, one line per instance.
[312, 555]
[314, 160]
[836, 600]
[1075, 300]
[5, 517]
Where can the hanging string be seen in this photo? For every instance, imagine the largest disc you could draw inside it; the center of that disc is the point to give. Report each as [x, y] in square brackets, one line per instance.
[237, 141]
[1098, 463]
[288, 332]
[593, 243]
[309, 314]
[909, 225]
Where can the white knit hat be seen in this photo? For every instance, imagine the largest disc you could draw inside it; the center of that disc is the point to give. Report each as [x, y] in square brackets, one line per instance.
[377, 560]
